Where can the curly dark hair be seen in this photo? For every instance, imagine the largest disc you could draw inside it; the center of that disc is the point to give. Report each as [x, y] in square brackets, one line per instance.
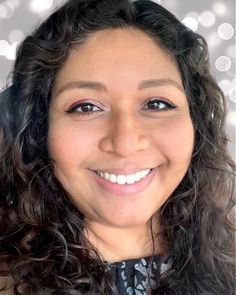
[42, 242]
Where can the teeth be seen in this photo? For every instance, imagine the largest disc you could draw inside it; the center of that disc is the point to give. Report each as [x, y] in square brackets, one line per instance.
[113, 178]
[124, 179]
[121, 179]
[130, 179]
[137, 176]
[107, 176]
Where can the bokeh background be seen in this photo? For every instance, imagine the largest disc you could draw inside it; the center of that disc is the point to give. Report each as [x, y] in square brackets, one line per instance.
[215, 20]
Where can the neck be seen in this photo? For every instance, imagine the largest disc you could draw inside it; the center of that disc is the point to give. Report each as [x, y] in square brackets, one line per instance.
[119, 244]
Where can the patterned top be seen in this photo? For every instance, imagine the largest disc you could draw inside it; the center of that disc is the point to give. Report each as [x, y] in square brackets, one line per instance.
[137, 276]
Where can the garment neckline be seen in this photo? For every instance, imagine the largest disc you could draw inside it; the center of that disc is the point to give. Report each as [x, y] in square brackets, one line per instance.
[131, 261]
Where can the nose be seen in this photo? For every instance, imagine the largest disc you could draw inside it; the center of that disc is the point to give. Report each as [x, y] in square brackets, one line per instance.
[125, 136]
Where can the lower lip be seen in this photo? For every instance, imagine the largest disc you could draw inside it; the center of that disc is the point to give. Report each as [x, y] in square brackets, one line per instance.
[125, 189]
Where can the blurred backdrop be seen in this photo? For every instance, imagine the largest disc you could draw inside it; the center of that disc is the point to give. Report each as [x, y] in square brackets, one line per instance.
[215, 20]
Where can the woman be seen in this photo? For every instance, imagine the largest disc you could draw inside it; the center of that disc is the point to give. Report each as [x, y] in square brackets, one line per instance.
[114, 174]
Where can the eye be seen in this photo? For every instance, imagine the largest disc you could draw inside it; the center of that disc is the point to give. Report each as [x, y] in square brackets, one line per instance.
[85, 108]
[156, 104]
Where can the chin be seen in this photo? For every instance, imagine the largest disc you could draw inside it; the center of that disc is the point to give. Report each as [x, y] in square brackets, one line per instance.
[129, 221]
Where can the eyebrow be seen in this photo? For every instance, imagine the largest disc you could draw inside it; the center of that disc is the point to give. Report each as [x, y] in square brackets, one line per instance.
[98, 86]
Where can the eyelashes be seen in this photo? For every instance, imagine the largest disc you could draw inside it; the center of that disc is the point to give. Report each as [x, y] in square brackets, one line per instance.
[158, 105]
[89, 108]
[84, 108]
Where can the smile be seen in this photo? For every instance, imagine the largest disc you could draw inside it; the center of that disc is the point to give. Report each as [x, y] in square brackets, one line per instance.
[124, 179]
[117, 182]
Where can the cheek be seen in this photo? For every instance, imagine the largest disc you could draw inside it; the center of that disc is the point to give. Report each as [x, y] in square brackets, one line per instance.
[175, 139]
[69, 144]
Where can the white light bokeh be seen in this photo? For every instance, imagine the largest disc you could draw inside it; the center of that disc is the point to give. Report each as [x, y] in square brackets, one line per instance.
[225, 85]
[3, 45]
[191, 23]
[219, 8]
[193, 14]
[223, 63]
[32, 12]
[232, 70]
[213, 39]
[3, 11]
[232, 94]
[10, 51]
[7, 10]
[231, 118]
[207, 18]
[231, 51]
[16, 36]
[226, 31]
[234, 82]
[40, 5]
[15, 3]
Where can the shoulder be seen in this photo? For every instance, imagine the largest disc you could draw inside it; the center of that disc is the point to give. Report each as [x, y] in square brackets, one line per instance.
[6, 282]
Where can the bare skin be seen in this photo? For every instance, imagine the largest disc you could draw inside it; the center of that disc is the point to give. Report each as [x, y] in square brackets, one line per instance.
[8, 282]
[121, 135]
[115, 246]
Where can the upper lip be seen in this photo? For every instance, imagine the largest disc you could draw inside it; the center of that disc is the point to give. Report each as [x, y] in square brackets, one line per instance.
[119, 171]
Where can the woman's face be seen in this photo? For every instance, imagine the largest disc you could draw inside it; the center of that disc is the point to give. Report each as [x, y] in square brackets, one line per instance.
[120, 132]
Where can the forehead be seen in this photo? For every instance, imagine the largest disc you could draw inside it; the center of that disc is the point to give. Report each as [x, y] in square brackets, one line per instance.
[118, 54]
